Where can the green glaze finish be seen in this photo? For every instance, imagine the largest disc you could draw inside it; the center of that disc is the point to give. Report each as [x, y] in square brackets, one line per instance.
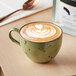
[40, 52]
[10, 35]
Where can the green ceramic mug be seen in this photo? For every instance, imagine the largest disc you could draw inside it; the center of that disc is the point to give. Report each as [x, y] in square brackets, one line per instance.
[40, 52]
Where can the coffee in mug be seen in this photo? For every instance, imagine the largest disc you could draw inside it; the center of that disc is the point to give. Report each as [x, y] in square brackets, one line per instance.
[41, 41]
[40, 32]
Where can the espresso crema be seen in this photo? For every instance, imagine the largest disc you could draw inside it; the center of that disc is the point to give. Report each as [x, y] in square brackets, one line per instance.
[40, 32]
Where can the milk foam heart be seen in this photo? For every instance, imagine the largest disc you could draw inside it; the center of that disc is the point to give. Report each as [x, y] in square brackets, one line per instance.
[39, 26]
[40, 32]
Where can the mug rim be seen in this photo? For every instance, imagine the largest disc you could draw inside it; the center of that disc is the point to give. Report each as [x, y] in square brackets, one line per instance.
[42, 22]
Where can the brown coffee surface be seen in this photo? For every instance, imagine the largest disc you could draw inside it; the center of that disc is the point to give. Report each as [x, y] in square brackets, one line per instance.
[40, 32]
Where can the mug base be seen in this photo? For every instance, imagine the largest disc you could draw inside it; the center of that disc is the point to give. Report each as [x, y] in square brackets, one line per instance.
[42, 62]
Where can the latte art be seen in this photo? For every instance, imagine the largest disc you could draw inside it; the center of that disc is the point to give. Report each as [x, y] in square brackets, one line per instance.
[40, 32]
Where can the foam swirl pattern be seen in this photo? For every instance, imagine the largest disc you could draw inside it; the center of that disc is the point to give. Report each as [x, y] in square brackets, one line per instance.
[40, 32]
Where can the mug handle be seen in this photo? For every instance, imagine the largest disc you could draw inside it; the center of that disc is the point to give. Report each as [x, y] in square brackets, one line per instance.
[11, 37]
